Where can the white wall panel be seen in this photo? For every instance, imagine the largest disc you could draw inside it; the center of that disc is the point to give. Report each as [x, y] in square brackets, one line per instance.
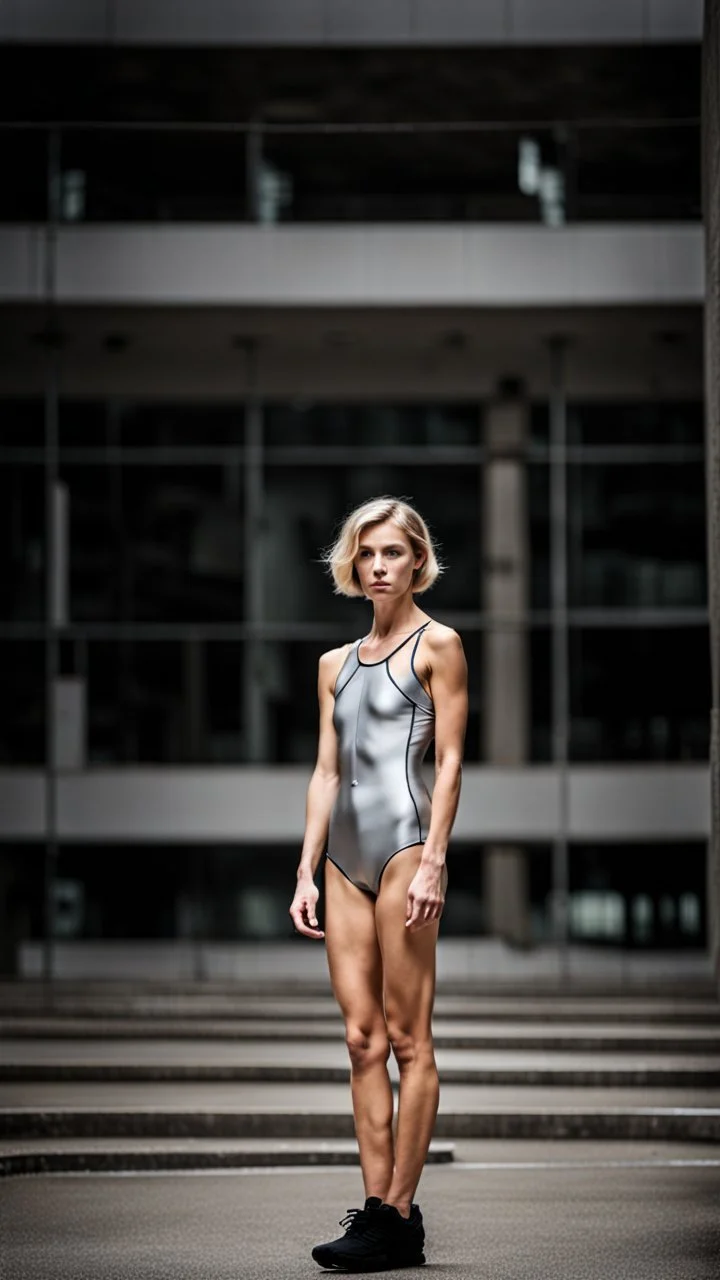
[674, 19]
[640, 802]
[464, 21]
[22, 804]
[220, 22]
[351, 22]
[22, 254]
[266, 805]
[385, 21]
[50, 20]
[445, 265]
[583, 21]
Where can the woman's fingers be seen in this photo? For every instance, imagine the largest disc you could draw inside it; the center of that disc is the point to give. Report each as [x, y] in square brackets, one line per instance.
[304, 918]
[422, 911]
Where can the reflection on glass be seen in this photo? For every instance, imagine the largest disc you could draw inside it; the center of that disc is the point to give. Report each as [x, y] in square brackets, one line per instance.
[643, 894]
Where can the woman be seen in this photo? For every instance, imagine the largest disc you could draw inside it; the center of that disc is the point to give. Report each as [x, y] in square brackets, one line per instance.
[382, 699]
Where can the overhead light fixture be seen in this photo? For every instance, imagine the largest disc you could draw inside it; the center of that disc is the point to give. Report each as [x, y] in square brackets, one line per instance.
[547, 182]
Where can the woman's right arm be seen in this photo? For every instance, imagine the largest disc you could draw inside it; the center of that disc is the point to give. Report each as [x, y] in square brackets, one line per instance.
[321, 795]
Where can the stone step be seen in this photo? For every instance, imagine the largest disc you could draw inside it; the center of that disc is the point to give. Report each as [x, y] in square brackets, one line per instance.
[688, 1124]
[121, 1155]
[455, 1067]
[449, 1034]
[260, 1008]
[317, 1096]
[665, 982]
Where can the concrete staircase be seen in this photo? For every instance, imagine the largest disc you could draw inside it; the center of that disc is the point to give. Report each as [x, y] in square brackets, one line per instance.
[123, 1076]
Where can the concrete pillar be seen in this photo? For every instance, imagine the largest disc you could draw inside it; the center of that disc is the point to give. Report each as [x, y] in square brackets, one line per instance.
[506, 567]
[711, 203]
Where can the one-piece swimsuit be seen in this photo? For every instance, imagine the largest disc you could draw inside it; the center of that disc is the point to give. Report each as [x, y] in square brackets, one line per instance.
[385, 721]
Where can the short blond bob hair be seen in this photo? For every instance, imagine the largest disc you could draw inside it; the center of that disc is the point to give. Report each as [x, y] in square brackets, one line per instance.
[340, 557]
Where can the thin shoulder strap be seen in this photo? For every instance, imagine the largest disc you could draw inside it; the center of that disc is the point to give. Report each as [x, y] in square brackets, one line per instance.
[353, 650]
[419, 638]
[407, 641]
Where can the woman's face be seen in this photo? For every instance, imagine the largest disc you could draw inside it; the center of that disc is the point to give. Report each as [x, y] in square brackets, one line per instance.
[385, 561]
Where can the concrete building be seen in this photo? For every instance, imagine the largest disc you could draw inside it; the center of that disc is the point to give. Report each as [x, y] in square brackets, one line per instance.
[259, 262]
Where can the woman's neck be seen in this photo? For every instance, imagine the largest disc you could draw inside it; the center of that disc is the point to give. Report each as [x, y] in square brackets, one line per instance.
[395, 622]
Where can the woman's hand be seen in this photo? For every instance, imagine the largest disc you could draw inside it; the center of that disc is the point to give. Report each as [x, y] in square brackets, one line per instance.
[426, 897]
[303, 909]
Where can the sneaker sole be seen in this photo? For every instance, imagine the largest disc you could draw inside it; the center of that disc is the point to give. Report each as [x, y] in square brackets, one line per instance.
[381, 1262]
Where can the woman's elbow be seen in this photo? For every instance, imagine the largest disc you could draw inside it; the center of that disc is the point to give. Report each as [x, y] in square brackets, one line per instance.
[449, 762]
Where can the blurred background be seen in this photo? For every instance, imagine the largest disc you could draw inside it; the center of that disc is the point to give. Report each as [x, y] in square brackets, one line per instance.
[258, 263]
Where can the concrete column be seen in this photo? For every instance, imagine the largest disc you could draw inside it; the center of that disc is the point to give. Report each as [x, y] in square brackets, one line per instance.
[506, 569]
[711, 202]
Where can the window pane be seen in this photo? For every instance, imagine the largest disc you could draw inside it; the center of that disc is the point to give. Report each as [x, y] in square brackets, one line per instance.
[617, 423]
[144, 176]
[638, 894]
[22, 422]
[24, 161]
[640, 694]
[22, 538]
[92, 424]
[22, 700]
[368, 425]
[155, 543]
[637, 535]
[158, 426]
[84, 424]
[176, 701]
[538, 498]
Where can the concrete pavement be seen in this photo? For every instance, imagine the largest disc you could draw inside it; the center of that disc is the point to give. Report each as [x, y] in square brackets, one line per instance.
[629, 1213]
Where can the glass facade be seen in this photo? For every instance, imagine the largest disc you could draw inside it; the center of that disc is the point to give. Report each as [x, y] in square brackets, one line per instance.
[641, 896]
[377, 171]
[158, 569]
[171, 641]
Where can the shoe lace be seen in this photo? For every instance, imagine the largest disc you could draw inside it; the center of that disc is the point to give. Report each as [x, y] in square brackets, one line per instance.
[355, 1221]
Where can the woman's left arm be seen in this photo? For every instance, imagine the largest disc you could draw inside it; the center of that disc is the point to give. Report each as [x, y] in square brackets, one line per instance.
[448, 686]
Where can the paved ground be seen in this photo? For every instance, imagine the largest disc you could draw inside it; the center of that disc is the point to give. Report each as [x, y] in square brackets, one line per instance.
[628, 1215]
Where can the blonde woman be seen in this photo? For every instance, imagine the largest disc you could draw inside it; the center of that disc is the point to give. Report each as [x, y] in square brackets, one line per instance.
[382, 700]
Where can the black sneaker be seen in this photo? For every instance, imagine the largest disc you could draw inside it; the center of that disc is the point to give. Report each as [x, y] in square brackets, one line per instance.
[336, 1252]
[378, 1238]
[405, 1237]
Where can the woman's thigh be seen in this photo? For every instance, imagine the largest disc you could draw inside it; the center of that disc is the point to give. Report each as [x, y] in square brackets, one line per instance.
[408, 958]
[353, 951]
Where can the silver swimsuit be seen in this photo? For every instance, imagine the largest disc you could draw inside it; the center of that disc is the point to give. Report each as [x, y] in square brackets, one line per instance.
[384, 721]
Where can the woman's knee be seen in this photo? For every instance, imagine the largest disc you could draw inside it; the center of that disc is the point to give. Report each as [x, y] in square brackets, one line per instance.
[367, 1048]
[409, 1044]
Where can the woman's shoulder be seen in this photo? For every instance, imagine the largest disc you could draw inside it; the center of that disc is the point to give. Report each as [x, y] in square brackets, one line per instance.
[331, 662]
[440, 638]
[442, 646]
